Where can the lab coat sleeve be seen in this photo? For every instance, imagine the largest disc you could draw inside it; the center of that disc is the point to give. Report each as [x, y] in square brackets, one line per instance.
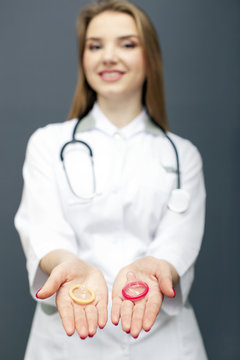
[39, 219]
[178, 237]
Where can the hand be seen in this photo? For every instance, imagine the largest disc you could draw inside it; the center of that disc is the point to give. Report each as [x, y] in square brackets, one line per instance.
[141, 314]
[83, 318]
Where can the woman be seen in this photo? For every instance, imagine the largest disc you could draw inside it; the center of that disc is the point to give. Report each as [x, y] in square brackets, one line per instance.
[107, 223]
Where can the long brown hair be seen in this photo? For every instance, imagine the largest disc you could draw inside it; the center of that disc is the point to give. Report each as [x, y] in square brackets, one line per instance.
[153, 90]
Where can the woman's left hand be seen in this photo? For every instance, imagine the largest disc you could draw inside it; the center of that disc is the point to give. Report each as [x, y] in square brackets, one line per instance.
[141, 314]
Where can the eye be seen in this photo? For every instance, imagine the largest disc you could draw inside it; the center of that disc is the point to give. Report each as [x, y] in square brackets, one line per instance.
[94, 47]
[129, 45]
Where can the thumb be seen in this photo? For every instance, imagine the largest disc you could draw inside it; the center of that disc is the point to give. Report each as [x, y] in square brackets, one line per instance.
[165, 275]
[53, 283]
[166, 286]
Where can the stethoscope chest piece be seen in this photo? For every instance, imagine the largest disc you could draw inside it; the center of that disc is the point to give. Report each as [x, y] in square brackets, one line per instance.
[179, 201]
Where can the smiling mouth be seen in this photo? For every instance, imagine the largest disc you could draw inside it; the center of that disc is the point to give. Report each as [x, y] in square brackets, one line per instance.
[111, 75]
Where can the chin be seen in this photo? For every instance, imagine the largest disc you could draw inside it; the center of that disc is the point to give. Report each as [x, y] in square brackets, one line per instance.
[118, 95]
[113, 95]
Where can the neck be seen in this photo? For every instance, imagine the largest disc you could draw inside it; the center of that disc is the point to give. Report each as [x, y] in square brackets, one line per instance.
[120, 113]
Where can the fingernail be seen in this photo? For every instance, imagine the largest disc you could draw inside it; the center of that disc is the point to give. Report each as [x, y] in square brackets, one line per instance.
[174, 292]
[83, 337]
[37, 293]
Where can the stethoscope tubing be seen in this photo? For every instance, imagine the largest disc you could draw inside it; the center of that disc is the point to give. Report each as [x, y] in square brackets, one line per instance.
[74, 141]
[175, 150]
[177, 160]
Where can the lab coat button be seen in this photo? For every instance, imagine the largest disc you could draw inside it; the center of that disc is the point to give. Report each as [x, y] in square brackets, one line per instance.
[117, 136]
[124, 346]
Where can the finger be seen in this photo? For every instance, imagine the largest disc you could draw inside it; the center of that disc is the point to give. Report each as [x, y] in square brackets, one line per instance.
[165, 280]
[137, 318]
[102, 313]
[53, 283]
[126, 315]
[66, 313]
[81, 321]
[116, 310]
[92, 319]
[166, 285]
[152, 309]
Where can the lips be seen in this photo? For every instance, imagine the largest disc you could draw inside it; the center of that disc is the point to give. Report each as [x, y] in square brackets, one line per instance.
[111, 74]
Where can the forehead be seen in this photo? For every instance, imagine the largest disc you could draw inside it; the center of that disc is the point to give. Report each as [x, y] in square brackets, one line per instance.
[111, 23]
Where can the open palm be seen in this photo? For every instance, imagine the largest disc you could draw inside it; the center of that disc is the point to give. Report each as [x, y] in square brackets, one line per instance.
[141, 314]
[83, 318]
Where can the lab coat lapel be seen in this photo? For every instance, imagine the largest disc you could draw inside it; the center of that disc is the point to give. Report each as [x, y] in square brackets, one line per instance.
[87, 123]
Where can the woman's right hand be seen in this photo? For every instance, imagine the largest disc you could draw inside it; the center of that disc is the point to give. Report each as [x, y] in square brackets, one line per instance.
[83, 318]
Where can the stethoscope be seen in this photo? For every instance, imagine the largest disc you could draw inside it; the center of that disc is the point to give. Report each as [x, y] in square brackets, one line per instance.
[179, 200]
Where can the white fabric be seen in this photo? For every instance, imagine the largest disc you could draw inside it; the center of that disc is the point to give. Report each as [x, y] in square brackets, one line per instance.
[128, 219]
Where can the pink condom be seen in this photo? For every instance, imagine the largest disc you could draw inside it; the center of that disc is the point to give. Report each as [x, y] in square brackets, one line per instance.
[135, 290]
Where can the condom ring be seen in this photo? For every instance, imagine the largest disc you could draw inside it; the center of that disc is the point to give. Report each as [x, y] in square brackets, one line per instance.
[135, 290]
[84, 295]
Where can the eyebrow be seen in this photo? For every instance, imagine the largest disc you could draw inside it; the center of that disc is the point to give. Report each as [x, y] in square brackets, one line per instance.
[119, 38]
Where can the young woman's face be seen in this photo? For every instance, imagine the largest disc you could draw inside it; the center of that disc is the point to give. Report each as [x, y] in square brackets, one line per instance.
[113, 58]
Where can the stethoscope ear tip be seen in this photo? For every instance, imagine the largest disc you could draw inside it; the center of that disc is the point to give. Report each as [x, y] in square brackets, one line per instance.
[179, 201]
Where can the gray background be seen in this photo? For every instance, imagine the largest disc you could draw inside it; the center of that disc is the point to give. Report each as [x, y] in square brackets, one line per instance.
[38, 67]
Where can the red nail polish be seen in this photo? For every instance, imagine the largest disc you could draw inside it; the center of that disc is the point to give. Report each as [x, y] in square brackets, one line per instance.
[174, 292]
[37, 293]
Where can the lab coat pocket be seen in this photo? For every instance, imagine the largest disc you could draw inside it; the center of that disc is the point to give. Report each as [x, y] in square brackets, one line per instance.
[156, 184]
[80, 175]
[77, 185]
[84, 200]
[158, 178]
[95, 214]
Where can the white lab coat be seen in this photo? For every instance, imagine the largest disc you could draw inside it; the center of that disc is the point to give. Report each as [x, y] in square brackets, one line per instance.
[135, 172]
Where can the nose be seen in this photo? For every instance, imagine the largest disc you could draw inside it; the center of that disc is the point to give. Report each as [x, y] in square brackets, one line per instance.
[109, 55]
